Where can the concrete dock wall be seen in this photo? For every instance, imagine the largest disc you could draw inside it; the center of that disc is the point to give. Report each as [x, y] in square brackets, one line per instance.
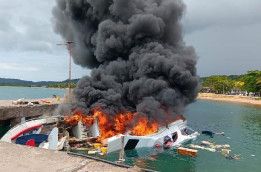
[26, 111]
[13, 114]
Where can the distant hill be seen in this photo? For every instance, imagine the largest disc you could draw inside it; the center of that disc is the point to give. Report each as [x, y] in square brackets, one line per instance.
[18, 82]
[9, 81]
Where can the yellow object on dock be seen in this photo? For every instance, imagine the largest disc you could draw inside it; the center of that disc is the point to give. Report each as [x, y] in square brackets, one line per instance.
[104, 149]
[96, 145]
[58, 98]
[186, 151]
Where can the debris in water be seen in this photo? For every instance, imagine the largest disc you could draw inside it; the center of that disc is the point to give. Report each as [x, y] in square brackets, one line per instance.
[226, 151]
[186, 151]
[221, 133]
[206, 142]
[209, 133]
[202, 147]
[235, 157]
[212, 145]
[229, 157]
[213, 141]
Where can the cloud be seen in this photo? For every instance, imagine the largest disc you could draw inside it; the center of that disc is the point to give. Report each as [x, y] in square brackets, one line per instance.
[26, 26]
[225, 35]
[28, 47]
[17, 67]
[202, 14]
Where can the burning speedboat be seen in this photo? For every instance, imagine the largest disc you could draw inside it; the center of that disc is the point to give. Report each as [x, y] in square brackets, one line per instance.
[177, 131]
[126, 131]
[117, 133]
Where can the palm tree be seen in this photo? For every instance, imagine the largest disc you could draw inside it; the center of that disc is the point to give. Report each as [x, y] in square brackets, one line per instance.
[258, 83]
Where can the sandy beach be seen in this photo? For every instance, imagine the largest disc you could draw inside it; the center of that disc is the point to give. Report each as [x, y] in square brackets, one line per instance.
[229, 98]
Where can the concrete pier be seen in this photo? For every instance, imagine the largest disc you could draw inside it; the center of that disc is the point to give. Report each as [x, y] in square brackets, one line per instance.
[23, 159]
[12, 114]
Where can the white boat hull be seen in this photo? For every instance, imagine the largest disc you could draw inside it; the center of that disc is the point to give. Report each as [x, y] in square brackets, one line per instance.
[18, 130]
[132, 142]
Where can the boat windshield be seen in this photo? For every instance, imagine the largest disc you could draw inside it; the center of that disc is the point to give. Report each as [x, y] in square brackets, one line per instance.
[187, 131]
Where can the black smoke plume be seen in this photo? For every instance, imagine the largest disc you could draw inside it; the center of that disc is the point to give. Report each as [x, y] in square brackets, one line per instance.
[136, 51]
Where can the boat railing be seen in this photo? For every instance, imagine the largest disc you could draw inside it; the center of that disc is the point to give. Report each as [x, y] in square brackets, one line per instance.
[38, 118]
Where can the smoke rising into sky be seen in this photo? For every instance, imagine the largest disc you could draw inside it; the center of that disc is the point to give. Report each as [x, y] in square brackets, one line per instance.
[137, 53]
[225, 35]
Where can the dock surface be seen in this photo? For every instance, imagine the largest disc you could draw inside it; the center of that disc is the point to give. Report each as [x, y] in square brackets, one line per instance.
[9, 103]
[14, 112]
[31, 159]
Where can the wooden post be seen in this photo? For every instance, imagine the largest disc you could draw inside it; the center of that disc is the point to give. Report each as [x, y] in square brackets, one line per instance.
[122, 150]
[70, 69]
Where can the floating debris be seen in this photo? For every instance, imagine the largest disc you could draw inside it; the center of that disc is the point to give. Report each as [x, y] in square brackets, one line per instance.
[206, 143]
[225, 151]
[202, 147]
[186, 151]
[209, 133]
[212, 145]
[235, 157]
[221, 133]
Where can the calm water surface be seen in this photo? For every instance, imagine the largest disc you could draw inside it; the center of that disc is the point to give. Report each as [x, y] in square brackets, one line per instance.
[242, 127]
[13, 93]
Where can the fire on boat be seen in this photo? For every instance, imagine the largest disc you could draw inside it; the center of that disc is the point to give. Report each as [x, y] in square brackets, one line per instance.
[177, 131]
[85, 132]
[131, 130]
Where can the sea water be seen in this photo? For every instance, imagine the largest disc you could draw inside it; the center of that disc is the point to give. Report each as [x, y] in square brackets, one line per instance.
[14, 93]
[241, 125]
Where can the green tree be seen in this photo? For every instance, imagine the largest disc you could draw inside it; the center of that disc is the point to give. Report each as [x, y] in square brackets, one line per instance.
[252, 81]
[258, 82]
[238, 85]
[219, 84]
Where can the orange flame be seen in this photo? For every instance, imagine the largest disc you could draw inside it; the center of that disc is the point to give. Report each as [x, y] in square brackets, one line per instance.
[122, 123]
[144, 127]
[75, 118]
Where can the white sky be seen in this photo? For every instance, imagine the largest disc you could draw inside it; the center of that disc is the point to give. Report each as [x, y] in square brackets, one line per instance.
[225, 34]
